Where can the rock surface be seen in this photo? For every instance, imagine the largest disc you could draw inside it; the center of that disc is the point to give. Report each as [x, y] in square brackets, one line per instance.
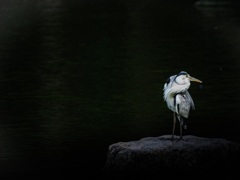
[161, 155]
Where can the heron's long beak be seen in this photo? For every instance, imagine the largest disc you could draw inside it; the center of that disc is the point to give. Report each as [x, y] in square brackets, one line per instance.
[194, 79]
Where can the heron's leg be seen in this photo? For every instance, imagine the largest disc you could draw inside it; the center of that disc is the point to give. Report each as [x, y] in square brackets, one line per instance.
[181, 129]
[174, 125]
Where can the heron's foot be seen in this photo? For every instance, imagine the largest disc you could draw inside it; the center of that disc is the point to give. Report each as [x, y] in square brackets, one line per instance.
[180, 139]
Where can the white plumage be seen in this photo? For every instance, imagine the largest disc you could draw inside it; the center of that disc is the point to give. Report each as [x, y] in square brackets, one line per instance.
[178, 99]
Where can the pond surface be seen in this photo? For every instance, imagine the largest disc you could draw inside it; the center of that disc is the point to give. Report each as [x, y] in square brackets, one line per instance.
[76, 77]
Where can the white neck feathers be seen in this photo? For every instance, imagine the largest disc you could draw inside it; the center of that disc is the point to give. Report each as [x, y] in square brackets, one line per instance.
[175, 89]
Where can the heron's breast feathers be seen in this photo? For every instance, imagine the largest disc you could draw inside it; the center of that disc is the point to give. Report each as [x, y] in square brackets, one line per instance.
[170, 92]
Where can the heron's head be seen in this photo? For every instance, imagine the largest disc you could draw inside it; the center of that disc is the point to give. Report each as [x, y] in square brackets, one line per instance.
[184, 78]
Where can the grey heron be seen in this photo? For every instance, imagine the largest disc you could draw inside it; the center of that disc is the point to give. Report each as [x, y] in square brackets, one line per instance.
[178, 99]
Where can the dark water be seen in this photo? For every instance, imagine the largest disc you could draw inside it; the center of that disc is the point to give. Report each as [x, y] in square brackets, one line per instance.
[77, 76]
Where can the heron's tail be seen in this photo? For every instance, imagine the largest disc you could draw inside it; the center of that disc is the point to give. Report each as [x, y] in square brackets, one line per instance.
[184, 122]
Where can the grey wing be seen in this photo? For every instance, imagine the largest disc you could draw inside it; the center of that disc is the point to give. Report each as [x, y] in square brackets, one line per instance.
[182, 105]
[190, 99]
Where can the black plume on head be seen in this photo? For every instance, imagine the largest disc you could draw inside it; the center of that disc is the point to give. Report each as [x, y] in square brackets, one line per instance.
[182, 73]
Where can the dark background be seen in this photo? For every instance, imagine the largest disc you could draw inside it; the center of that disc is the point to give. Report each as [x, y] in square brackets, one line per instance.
[78, 76]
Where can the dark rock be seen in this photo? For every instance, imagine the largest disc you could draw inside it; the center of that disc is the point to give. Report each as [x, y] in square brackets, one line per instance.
[161, 155]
